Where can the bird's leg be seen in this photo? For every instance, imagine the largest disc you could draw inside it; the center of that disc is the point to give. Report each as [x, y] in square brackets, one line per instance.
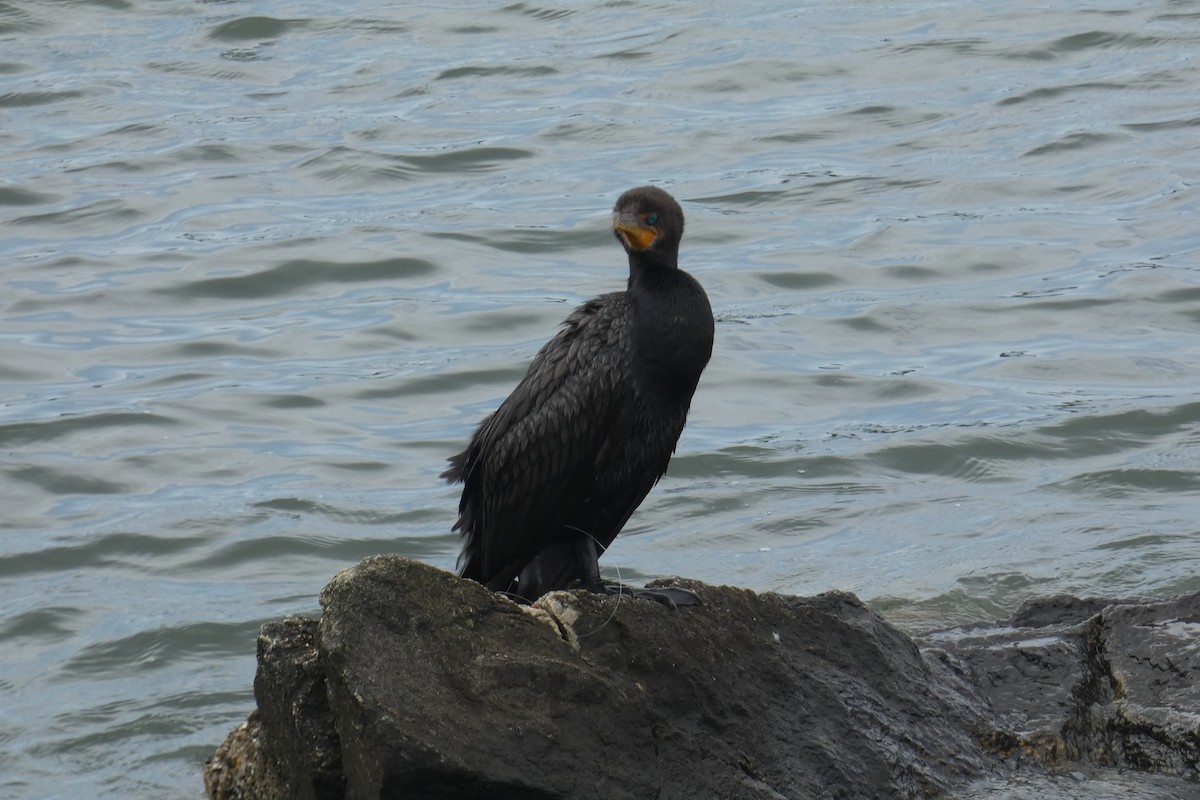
[589, 561]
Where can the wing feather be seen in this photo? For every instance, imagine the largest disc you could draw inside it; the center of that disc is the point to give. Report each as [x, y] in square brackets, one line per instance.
[534, 462]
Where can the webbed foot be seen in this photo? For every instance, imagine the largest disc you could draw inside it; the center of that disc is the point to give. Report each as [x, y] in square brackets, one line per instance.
[670, 596]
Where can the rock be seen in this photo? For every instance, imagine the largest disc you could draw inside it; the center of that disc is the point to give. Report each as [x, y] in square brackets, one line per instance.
[415, 683]
[1095, 682]
[293, 705]
[443, 689]
[240, 769]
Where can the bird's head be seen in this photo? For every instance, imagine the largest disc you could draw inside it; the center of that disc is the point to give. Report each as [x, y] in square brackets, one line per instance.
[649, 223]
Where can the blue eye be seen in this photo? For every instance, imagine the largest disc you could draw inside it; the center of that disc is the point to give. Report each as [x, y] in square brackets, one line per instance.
[651, 219]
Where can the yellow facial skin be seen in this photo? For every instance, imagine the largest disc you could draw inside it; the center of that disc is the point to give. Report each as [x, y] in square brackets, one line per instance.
[635, 230]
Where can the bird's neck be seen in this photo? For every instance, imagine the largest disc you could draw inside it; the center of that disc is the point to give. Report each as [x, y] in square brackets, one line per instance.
[672, 332]
[650, 270]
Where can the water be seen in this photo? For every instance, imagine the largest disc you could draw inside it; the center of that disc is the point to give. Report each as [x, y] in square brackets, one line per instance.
[264, 265]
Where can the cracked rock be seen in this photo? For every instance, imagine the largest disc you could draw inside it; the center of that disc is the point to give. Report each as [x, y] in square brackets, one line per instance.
[1102, 683]
[415, 683]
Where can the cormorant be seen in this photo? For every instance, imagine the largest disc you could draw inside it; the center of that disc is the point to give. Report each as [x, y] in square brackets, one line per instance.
[553, 475]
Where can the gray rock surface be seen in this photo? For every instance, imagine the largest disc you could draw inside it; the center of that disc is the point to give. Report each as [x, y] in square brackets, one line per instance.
[415, 683]
[1092, 682]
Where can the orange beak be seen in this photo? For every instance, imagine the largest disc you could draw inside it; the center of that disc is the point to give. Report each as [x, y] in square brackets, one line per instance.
[634, 231]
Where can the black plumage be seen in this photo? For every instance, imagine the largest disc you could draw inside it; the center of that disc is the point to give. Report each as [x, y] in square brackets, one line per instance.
[553, 475]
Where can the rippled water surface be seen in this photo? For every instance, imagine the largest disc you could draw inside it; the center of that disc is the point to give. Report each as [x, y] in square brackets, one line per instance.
[263, 265]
